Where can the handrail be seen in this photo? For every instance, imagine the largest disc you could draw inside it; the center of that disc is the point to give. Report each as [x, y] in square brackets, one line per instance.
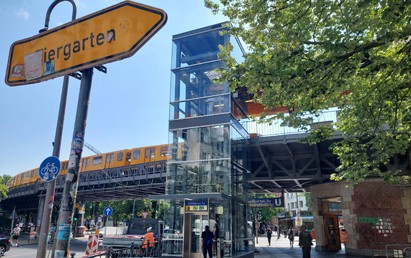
[274, 128]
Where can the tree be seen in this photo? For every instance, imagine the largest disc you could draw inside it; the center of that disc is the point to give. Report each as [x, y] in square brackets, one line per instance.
[3, 187]
[315, 54]
[122, 210]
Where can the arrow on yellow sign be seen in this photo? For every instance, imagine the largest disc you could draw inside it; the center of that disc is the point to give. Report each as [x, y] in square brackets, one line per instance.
[108, 35]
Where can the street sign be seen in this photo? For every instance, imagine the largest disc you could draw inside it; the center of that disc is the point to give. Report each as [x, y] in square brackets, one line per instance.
[266, 202]
[193, 206]
[108, 211]
[105, 36]
[144, 214]
[49, 169]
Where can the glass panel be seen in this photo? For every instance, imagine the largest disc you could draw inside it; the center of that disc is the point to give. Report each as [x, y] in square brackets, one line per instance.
[164, 151]
[97, 160]
[238, 52]
[197, 48]
[109, 158]
[85, 162]
[199, 177]
[211, 142]
[119, 156]
[172, 242]
[200, 107]
[136, 154]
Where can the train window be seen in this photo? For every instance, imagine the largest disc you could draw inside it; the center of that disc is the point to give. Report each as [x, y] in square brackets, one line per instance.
[109, 157]
[136, 154]
[150, 152]
[164, 151]
[85, 162]
[97, 160]
[119, 156]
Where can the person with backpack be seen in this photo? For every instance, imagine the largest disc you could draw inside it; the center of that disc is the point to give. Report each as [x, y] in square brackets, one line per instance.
[207, 237]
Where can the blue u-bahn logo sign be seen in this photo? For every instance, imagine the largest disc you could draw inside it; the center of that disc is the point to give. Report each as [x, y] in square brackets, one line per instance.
[49, 169]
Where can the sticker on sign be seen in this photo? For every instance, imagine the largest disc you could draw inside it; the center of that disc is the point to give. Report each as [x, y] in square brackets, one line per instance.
[105, 36]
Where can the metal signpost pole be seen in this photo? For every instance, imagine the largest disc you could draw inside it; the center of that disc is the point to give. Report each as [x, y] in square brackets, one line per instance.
[68, 198]
[49, 200]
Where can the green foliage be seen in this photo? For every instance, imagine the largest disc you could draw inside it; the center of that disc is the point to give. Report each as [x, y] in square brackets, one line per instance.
[308, 199]
[312, 55]
[3, 188]
[122, 210]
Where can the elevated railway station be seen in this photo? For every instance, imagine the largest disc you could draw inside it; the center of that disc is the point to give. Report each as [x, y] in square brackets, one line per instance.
[217, 158]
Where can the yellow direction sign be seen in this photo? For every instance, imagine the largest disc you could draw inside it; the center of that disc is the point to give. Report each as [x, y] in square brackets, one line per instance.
[108, 35]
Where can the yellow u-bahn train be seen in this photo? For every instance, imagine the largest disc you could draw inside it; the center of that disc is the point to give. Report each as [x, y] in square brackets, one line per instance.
[107, 160]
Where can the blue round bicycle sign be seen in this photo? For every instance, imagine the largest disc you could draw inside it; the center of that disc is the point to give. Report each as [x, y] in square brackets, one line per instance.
[49, 169]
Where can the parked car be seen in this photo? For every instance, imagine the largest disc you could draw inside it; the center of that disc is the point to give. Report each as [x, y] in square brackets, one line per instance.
[4, 245]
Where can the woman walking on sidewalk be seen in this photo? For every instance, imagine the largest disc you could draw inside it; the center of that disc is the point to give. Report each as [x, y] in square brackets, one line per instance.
[291, 237]
[269, 233]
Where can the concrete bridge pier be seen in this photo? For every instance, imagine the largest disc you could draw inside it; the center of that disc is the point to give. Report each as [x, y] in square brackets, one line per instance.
[363, 217]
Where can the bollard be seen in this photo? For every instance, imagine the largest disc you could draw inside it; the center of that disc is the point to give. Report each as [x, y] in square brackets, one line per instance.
[131, 248]
[72, 255]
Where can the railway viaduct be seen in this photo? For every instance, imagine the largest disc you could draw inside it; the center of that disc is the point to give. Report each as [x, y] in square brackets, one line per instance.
[278, 163]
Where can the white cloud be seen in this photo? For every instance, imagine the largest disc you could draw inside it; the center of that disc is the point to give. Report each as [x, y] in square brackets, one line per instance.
[23, 13]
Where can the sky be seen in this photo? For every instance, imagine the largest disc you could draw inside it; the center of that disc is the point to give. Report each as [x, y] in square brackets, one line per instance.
[129, 106]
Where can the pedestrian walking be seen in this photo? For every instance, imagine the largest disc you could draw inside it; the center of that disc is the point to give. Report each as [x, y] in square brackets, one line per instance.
[207, 237]
[291, 237]
[16, 234]
[269, 233]
[278, 232]
[305, 242]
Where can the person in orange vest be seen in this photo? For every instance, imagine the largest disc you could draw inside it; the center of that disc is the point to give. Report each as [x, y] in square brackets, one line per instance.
[149, 240]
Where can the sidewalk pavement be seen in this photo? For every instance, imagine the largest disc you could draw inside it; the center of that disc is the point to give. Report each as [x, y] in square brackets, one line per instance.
[281, 249]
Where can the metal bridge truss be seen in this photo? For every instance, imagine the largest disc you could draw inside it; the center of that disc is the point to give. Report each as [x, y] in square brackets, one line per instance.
[127, 182]
[283, 163]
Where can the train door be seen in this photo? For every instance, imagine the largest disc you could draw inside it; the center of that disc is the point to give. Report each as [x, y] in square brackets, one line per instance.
[194, 225]
[332, 236]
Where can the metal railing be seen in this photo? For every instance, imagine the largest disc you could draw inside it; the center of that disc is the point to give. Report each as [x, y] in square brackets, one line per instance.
[132, 251]
[381, 249]
[275, 128]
